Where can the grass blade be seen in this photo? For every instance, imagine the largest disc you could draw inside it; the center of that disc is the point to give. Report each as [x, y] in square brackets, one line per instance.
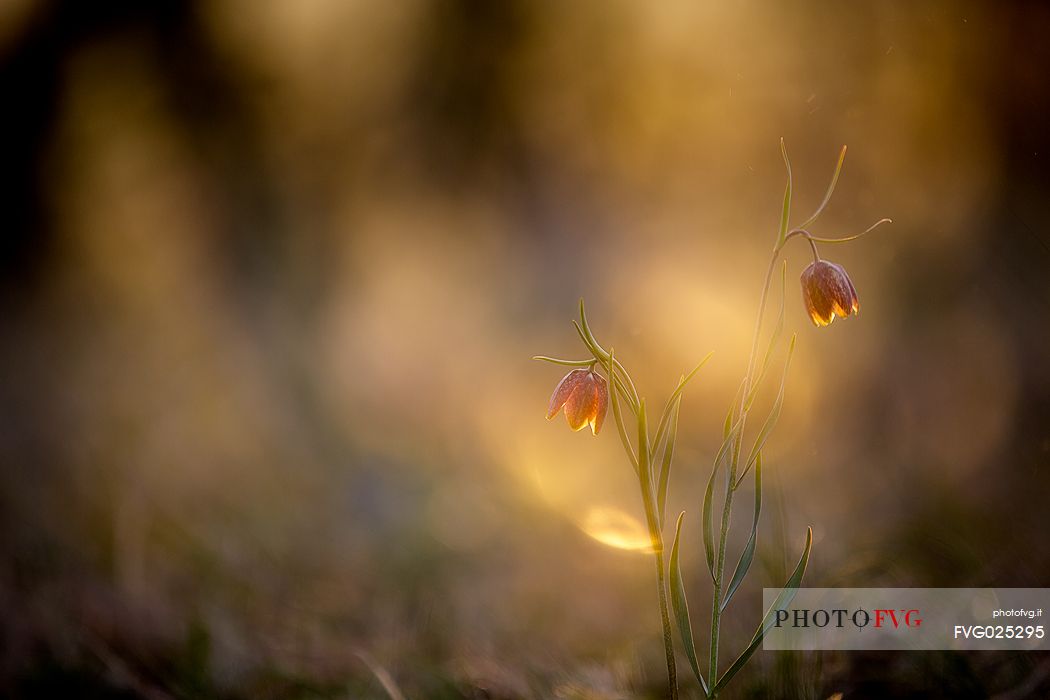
[668, 455]
[707, 510]
[675, 395]
[786, 212]
[729, 430]
[603, 357]
[681, 606]
[566, 363]
[584, 329]
[748, 554]
[709, 528]
[645, 471]
[614, 392]
[772, 418]
[831, 190]
[728, 424]
[595, 350]
[847, 239]
[787, 594]
[773, 339]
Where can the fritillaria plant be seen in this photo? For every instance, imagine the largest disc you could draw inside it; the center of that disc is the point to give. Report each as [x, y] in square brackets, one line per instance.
[585, 396]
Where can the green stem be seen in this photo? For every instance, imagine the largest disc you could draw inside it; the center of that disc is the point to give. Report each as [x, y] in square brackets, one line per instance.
[716, 600]
[661, 576]
[656, 536]
[661, 582]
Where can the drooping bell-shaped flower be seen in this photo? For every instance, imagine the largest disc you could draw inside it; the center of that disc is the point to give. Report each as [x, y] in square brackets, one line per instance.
[584, 394]
[828, 292]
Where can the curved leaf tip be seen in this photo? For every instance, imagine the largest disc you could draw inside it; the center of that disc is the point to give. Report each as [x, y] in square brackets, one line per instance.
[681, 606]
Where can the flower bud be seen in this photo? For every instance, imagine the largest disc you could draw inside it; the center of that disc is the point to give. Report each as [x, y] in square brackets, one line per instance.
[827, 291]
[584, 395]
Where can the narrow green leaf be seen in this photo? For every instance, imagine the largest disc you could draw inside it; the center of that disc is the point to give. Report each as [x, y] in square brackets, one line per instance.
[748, 554]
[709, 529]
[786, 212]
[773, 338]
[645, 458]
[566, 363]
[584, 330]
[675, 395]
[707, 510]
[847, 239]
[587, 341]
[787, 594]
[681, 606]
[668, 455]
[831, 190]
[727, 442]
[692, 373]
[727, 425]
[600, 355]
[772, 418]
[586, 327]
[591, 342]
[614, 392]
[729, 431]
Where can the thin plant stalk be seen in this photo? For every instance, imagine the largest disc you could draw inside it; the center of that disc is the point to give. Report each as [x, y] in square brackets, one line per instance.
[827, 292]
[657, 538]
[741, 418]
[643, 462]
[716, 600]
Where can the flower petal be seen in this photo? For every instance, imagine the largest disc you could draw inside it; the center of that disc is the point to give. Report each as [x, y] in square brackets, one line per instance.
[814, 293]
[582, 402]
[602, 394]
[840, 290]
[854, 300]
[564, 390]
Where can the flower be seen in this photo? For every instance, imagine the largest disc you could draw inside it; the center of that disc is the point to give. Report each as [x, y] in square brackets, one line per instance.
[827, 291]
[585, 396]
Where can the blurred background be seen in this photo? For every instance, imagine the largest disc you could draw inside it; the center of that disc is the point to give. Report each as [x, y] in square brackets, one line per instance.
[271, 274]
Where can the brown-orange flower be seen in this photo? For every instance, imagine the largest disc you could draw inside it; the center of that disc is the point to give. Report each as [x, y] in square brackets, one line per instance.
[584, 394]
[827, 291]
